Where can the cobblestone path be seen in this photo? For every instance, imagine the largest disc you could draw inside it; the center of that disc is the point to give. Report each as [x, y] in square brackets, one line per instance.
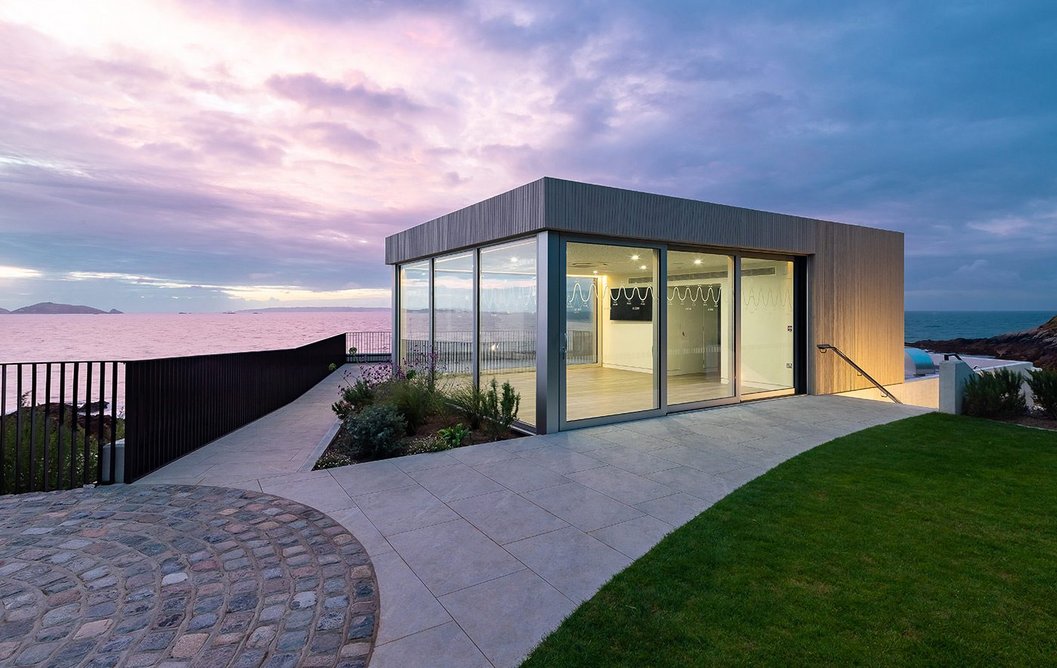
[180, 576]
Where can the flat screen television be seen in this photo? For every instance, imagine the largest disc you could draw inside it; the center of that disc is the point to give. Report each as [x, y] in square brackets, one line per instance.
[634, 304]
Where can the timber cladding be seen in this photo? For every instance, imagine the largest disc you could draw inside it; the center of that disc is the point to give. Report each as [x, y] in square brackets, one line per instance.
[855, 275]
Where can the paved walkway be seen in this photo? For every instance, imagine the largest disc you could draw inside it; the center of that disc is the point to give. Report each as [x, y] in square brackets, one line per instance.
[180, 576]
[286, 440]
[481, 551]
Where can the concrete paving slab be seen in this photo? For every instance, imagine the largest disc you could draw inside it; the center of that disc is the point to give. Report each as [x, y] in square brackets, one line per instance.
[573, 562]
[505, 517]
[621, 485]
[451, 483]
[371, 477]
[581, 506]
[633, 538]
[521, 475]
[508, 616]
[453, 555]
[408, 606]
[562, 460]
[677, 509]
[439, 647]
[396, 510]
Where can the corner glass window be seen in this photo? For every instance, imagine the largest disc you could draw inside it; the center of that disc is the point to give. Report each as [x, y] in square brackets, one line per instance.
[413, 318]
[508, 320]
[453, 316]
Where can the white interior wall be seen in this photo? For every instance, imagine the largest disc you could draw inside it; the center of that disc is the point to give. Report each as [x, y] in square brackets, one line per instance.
[626, 345]
[766, 328]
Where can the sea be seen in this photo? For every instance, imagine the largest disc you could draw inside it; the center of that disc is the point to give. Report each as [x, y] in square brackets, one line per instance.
[114, 337]
[942, 325]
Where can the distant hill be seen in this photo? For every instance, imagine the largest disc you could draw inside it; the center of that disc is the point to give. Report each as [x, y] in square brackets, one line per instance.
[4, 310]
[51, 308]
[309, 309]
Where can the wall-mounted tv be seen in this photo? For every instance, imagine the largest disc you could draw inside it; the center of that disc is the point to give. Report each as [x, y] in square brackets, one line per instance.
[634, 304]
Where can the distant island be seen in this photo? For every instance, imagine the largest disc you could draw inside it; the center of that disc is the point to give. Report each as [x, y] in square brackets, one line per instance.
[1038, 346]
[309, 309]
[51, 308]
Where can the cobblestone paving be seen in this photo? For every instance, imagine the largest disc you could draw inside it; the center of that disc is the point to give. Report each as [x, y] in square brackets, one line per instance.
[180, 576]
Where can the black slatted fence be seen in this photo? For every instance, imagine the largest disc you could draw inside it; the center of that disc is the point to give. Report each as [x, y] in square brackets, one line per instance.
[59, 422]
[179, 404]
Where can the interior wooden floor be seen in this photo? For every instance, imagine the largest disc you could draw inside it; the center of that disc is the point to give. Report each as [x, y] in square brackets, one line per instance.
[595, 391]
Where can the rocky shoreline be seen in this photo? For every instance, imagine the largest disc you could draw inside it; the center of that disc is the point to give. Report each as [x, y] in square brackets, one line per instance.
[1038, 345]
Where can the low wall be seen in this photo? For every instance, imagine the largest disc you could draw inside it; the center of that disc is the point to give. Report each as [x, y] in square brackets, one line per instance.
[924, 392]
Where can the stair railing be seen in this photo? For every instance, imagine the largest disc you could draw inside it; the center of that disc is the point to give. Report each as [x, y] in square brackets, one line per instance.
[824, 347]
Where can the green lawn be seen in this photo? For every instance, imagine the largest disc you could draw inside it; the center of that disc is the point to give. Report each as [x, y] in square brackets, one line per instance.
[928, 541]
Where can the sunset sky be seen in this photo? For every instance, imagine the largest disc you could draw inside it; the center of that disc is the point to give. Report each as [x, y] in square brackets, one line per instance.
[208, 155]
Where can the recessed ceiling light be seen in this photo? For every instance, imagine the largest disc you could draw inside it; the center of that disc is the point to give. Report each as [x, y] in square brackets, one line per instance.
[634, 257]
[642, 266]
[595, 271]
[513, 260]
[697, 261]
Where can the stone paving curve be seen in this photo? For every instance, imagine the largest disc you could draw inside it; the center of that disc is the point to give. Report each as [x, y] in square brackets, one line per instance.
[180, 576]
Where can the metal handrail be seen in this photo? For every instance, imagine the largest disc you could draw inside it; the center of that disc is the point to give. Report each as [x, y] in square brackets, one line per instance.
[823, 347]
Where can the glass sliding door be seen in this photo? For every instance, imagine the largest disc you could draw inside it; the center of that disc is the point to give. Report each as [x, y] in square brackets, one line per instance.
[700, 327]
[766, 326]
[611, 325]
[453, 316]
[413, 319]
[508, 320]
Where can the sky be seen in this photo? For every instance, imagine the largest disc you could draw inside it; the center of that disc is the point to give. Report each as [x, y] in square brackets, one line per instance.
[207, 155]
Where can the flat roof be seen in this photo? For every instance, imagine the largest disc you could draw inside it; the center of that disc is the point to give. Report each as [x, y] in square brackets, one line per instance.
[583, 208]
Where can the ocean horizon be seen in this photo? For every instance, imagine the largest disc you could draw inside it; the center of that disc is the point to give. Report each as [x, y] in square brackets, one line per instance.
[30, 338]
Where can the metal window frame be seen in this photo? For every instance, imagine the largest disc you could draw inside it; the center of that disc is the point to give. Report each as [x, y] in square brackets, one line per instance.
[558, 276]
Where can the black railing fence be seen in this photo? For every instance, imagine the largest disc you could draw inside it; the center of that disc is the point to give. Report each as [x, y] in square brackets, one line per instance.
[179, 404]
[68, 424]
[59, 421]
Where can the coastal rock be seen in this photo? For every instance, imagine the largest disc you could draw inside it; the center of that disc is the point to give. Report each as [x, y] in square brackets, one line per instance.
[1038, 345]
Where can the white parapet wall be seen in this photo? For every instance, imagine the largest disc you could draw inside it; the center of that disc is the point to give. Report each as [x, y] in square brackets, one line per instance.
[924, 392]
[955, 373]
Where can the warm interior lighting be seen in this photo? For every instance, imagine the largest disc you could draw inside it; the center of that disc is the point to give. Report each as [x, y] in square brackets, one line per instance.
[634, 257]
[697, 261]
[642, 266]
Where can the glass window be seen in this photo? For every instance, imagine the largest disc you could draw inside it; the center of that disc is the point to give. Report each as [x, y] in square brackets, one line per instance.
[414, 313]
[453, 315]
[508, 320]
[700, 327]
[611, 321]
[766, 325]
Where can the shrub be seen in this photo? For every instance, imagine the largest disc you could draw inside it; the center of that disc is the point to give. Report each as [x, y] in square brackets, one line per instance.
[454, 435]
[375, 432]
[468, 401]
[1043, 384]
[500, 409]
[431, 443]
[354, 398]
[414, 399]
[996, 395]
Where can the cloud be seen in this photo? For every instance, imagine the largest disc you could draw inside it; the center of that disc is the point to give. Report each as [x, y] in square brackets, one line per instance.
[7, 271]
[210, 141]
[313, 92]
